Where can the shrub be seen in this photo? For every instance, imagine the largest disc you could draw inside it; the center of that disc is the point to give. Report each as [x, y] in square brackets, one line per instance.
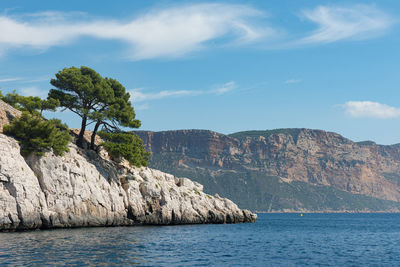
[37, 135]
[127, 145]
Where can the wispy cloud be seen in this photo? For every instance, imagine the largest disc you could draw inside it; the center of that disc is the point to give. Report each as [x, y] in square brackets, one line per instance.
[137, 95]
[24, 80]
[225, 88]
[33, 91]
[35, 80]
[4, 80]
[370, 109]
[170, 32]
[180, 30]
[337, 23]
[292, 81]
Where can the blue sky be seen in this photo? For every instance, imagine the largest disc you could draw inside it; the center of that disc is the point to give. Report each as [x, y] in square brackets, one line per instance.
[225, 66]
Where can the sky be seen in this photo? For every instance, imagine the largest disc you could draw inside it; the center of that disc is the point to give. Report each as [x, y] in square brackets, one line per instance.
[225, 66]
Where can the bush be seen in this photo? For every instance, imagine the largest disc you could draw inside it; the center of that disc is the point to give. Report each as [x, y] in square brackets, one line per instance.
[127, 145]
[37, 135]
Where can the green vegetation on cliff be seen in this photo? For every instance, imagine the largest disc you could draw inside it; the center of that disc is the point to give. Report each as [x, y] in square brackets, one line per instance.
[37, 135]
[98, 100]
[294, 132]
[33, 132]
[127, 145]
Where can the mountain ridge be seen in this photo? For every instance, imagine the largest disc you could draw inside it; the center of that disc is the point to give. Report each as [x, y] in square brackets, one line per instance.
[315, 157]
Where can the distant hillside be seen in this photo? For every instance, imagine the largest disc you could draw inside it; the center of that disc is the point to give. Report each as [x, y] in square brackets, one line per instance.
[283, 169]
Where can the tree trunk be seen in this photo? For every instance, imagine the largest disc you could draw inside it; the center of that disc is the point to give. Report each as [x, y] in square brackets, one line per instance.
[80, 142]
[93, 138]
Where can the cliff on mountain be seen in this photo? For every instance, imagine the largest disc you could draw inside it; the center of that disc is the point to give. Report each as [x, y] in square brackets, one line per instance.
[284, 169]
[85, 188]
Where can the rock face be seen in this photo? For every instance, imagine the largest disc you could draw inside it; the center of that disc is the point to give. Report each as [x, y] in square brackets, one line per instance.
[313, 157]
[83, 189]
[7, 113]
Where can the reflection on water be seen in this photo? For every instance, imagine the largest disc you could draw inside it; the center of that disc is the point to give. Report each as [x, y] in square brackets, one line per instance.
[276, 239]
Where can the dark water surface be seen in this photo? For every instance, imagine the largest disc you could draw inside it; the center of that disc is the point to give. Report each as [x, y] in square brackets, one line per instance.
[275, 240]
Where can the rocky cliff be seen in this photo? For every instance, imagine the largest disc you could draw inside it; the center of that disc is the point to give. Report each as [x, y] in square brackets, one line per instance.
[83, 188]
[7, 113]
[283, 169]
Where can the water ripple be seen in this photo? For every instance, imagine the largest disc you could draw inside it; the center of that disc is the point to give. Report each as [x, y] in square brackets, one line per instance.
[275, 240]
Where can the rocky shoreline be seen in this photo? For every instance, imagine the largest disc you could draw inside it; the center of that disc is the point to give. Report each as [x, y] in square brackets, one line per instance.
[83, 188]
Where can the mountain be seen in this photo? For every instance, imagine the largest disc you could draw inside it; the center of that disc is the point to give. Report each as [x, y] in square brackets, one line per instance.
[283, 169]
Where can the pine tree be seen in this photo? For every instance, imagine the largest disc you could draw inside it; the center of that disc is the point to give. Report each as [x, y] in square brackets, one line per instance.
[103, 101]
[126, 145]
[30, 103]
[115, 112]
[82, 91]
[33, 132]
[37, 135]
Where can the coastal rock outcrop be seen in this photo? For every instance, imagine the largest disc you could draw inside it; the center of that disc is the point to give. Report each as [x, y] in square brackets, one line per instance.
[83, 189]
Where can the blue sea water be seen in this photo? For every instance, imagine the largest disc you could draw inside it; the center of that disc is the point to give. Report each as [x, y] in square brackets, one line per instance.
[274, 240]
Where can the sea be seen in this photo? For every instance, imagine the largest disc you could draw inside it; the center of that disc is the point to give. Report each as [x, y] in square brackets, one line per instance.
[274, 240]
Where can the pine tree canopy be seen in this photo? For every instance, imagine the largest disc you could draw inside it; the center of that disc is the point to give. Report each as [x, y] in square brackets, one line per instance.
[126, 145]
[30, 104]
[102, 101]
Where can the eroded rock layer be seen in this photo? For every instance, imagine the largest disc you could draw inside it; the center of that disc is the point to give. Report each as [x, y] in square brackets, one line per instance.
[282, 168]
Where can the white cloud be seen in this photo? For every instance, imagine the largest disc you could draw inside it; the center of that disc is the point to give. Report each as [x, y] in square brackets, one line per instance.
[292, 81]
[177, 31]
[24, 80]
[340, 23]
[144, 106]
[171, 32]
[33, 91]
[4, 80]
[137, 95]
[227, 87]
[370, 109]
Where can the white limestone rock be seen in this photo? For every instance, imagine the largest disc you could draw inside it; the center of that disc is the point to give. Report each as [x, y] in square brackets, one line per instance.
[83, 189]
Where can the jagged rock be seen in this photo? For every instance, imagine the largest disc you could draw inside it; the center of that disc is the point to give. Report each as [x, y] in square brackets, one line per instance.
[83, 189]
[7, 113]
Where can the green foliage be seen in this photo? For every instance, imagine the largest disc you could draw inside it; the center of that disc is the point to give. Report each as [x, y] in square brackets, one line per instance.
[118, 109]
[294, 132]
[127, 145]
[103, 101]
[1, 95]
[81, 90]
[33, 132]
[254, 134]
[30, 104]
[37, 135]
[366, 143]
